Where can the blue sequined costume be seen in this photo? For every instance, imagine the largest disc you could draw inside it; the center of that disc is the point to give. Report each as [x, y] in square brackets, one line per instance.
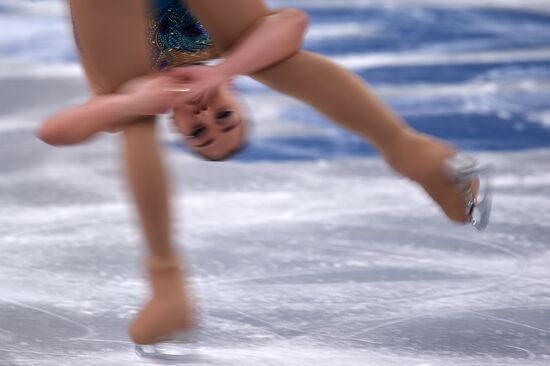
[176, 36]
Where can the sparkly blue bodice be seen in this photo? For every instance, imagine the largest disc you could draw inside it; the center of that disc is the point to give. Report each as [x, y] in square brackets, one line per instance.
[176, 36]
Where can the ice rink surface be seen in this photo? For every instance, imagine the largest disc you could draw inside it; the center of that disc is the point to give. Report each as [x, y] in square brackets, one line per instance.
[306, 250]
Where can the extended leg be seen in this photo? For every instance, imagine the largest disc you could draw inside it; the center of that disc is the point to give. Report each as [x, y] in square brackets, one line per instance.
[113, 48]
[342, 97]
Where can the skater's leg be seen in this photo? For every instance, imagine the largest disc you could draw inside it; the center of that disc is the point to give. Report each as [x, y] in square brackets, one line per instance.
[342, 97]
[345, 98]
[111, 41]
[113, 49]
[168, 310]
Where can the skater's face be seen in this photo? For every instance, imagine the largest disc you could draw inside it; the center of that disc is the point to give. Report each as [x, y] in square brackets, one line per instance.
[215, 127]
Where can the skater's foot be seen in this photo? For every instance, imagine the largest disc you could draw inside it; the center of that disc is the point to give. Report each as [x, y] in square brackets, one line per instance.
[168, 312]
[424, 160]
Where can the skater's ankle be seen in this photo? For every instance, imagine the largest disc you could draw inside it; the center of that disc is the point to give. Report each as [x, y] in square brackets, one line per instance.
[396, 150]
[418, 156]
[163, 260]
[166, 276]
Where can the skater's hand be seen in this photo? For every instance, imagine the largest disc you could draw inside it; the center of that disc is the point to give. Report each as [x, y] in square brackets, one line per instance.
[152, 94]
[199, 81]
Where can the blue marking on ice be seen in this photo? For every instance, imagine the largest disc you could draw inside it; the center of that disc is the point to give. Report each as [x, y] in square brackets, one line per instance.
[438, 74]
[413, 28]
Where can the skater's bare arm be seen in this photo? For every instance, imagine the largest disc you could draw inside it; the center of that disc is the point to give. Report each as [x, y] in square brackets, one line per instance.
[78, 124]
[268, 41]
[144, 96]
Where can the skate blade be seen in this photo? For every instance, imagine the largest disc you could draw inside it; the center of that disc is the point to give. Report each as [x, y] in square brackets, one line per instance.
[480, 213]
[180, 348]
[169, 353]
[463, 169]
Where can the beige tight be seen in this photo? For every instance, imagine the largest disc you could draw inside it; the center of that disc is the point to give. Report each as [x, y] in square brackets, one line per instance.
[113, 50]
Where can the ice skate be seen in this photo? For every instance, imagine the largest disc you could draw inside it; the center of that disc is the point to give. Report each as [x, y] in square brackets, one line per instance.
[456, 182]
[177, 347]
[476, 181]
[167, 319]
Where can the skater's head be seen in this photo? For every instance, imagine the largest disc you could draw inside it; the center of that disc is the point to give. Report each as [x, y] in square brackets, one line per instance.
[215, 127]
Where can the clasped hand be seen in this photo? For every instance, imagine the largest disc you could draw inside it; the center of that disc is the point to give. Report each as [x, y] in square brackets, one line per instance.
[180, 87]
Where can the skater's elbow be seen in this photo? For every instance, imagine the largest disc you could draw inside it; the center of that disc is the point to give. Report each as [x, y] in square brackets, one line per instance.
[297, 22]
[301, 19]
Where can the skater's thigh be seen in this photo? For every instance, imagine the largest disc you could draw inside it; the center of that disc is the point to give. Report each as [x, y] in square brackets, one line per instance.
[111, 41]
[226, 20]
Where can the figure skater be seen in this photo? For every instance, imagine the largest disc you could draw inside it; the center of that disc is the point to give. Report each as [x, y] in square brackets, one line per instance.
[127, 97]
[450, 178]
